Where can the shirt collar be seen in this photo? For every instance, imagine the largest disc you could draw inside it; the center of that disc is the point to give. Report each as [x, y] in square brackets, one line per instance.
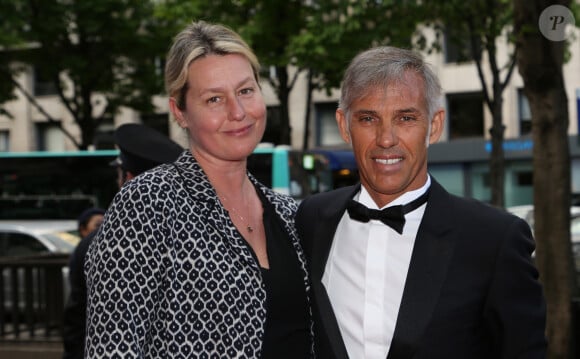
[365, 198]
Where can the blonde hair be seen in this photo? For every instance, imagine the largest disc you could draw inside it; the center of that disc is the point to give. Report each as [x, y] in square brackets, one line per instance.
[200, 39]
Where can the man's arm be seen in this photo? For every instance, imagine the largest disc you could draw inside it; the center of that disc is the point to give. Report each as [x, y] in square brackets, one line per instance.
[516, 310]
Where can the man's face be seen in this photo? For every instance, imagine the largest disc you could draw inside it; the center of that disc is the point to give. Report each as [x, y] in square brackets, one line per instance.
[123, 176]
[92, 224]
[389, 132]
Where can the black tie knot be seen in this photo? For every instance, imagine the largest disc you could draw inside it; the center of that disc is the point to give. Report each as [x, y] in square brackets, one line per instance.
[393, 216]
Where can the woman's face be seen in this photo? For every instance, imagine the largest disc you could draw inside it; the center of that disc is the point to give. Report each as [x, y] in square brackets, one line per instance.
[225, 114]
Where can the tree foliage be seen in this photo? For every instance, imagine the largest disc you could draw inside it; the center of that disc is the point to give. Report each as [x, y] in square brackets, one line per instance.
[100, 55]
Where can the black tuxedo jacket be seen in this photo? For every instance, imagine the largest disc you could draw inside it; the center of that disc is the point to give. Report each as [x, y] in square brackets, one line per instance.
[471, 291]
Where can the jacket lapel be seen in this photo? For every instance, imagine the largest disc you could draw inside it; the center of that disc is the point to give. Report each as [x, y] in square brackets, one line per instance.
[203, 196]
[428, 269]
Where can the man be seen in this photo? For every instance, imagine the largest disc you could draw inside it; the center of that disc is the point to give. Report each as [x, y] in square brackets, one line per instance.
[453, 278]
[140, 149]
[90, 220]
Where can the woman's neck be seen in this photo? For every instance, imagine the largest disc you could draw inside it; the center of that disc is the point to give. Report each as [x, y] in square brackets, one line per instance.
[227, 177]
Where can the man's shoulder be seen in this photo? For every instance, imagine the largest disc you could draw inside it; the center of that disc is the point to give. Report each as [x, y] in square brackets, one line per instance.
[470, 207]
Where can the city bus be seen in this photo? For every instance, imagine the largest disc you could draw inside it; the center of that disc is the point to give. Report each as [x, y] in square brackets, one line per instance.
[60, 185]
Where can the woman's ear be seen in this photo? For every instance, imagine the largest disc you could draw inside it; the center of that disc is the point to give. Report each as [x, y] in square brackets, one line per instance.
[177, 113]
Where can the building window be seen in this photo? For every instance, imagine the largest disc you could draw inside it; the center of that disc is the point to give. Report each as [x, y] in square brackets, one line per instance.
[327, 133]
[456, 46]
[49, 137]
[465, 115]
[43, 84]
[4, 141]
[524, 113]
[525, 178]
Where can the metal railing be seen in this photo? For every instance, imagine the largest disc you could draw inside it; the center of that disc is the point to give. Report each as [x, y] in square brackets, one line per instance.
[33, 291]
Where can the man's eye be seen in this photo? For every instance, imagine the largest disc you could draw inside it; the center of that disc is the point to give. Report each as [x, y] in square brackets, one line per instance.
[213, 99]
[407, 118]
[365, 119]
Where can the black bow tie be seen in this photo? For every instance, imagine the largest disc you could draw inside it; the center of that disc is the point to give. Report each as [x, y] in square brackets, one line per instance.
[393, 216]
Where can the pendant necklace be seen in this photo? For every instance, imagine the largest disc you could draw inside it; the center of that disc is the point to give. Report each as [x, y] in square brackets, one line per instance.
[249, 227]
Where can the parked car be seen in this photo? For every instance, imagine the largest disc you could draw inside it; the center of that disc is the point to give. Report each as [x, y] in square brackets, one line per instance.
[25, 238]
[27, 249]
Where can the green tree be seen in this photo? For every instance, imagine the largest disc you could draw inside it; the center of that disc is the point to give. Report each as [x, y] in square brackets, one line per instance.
[9, 38]
[540, 65]
[99, 55]
[481, 24]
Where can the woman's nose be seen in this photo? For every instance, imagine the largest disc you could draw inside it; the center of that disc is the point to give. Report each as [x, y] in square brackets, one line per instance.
[236, 109]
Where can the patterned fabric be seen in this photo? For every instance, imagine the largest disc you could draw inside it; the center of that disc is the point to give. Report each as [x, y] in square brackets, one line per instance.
[169, 276]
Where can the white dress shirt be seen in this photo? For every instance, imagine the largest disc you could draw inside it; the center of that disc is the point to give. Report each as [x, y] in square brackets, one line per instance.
[365, 276]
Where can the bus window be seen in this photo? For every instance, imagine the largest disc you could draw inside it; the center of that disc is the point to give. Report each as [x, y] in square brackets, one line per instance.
[289, 171]
[309, 174]
[55, 185]
[60, 185]
[341, 164]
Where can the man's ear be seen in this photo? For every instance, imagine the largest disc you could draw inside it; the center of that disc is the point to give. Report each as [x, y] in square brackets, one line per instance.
[342, 123]
[437, 126]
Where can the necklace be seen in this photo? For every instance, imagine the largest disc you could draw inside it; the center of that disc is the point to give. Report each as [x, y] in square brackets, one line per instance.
[249, 227]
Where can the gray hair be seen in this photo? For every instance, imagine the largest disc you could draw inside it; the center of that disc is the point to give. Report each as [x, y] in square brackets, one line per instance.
[381, 66]
[197, 40]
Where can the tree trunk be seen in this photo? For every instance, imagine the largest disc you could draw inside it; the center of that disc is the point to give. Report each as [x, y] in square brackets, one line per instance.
[283, 95]
[540, 65]
[497, 159]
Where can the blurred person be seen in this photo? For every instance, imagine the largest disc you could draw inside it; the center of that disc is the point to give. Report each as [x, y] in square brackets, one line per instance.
[400, 268]
[89, 220]
[197, 258]
[140, 149]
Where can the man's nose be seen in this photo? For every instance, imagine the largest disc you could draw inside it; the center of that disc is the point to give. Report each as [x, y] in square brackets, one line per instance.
[386, 134]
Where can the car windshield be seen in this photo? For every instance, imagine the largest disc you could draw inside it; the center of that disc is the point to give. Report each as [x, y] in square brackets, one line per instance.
[63, 241]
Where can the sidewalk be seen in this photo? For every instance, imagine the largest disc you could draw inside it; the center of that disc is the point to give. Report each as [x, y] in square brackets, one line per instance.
[30, 350]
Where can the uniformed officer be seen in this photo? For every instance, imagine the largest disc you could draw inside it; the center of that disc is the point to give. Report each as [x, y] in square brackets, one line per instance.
[141, 148]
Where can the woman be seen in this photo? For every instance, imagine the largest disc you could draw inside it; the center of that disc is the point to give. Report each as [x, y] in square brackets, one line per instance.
[197, 258]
